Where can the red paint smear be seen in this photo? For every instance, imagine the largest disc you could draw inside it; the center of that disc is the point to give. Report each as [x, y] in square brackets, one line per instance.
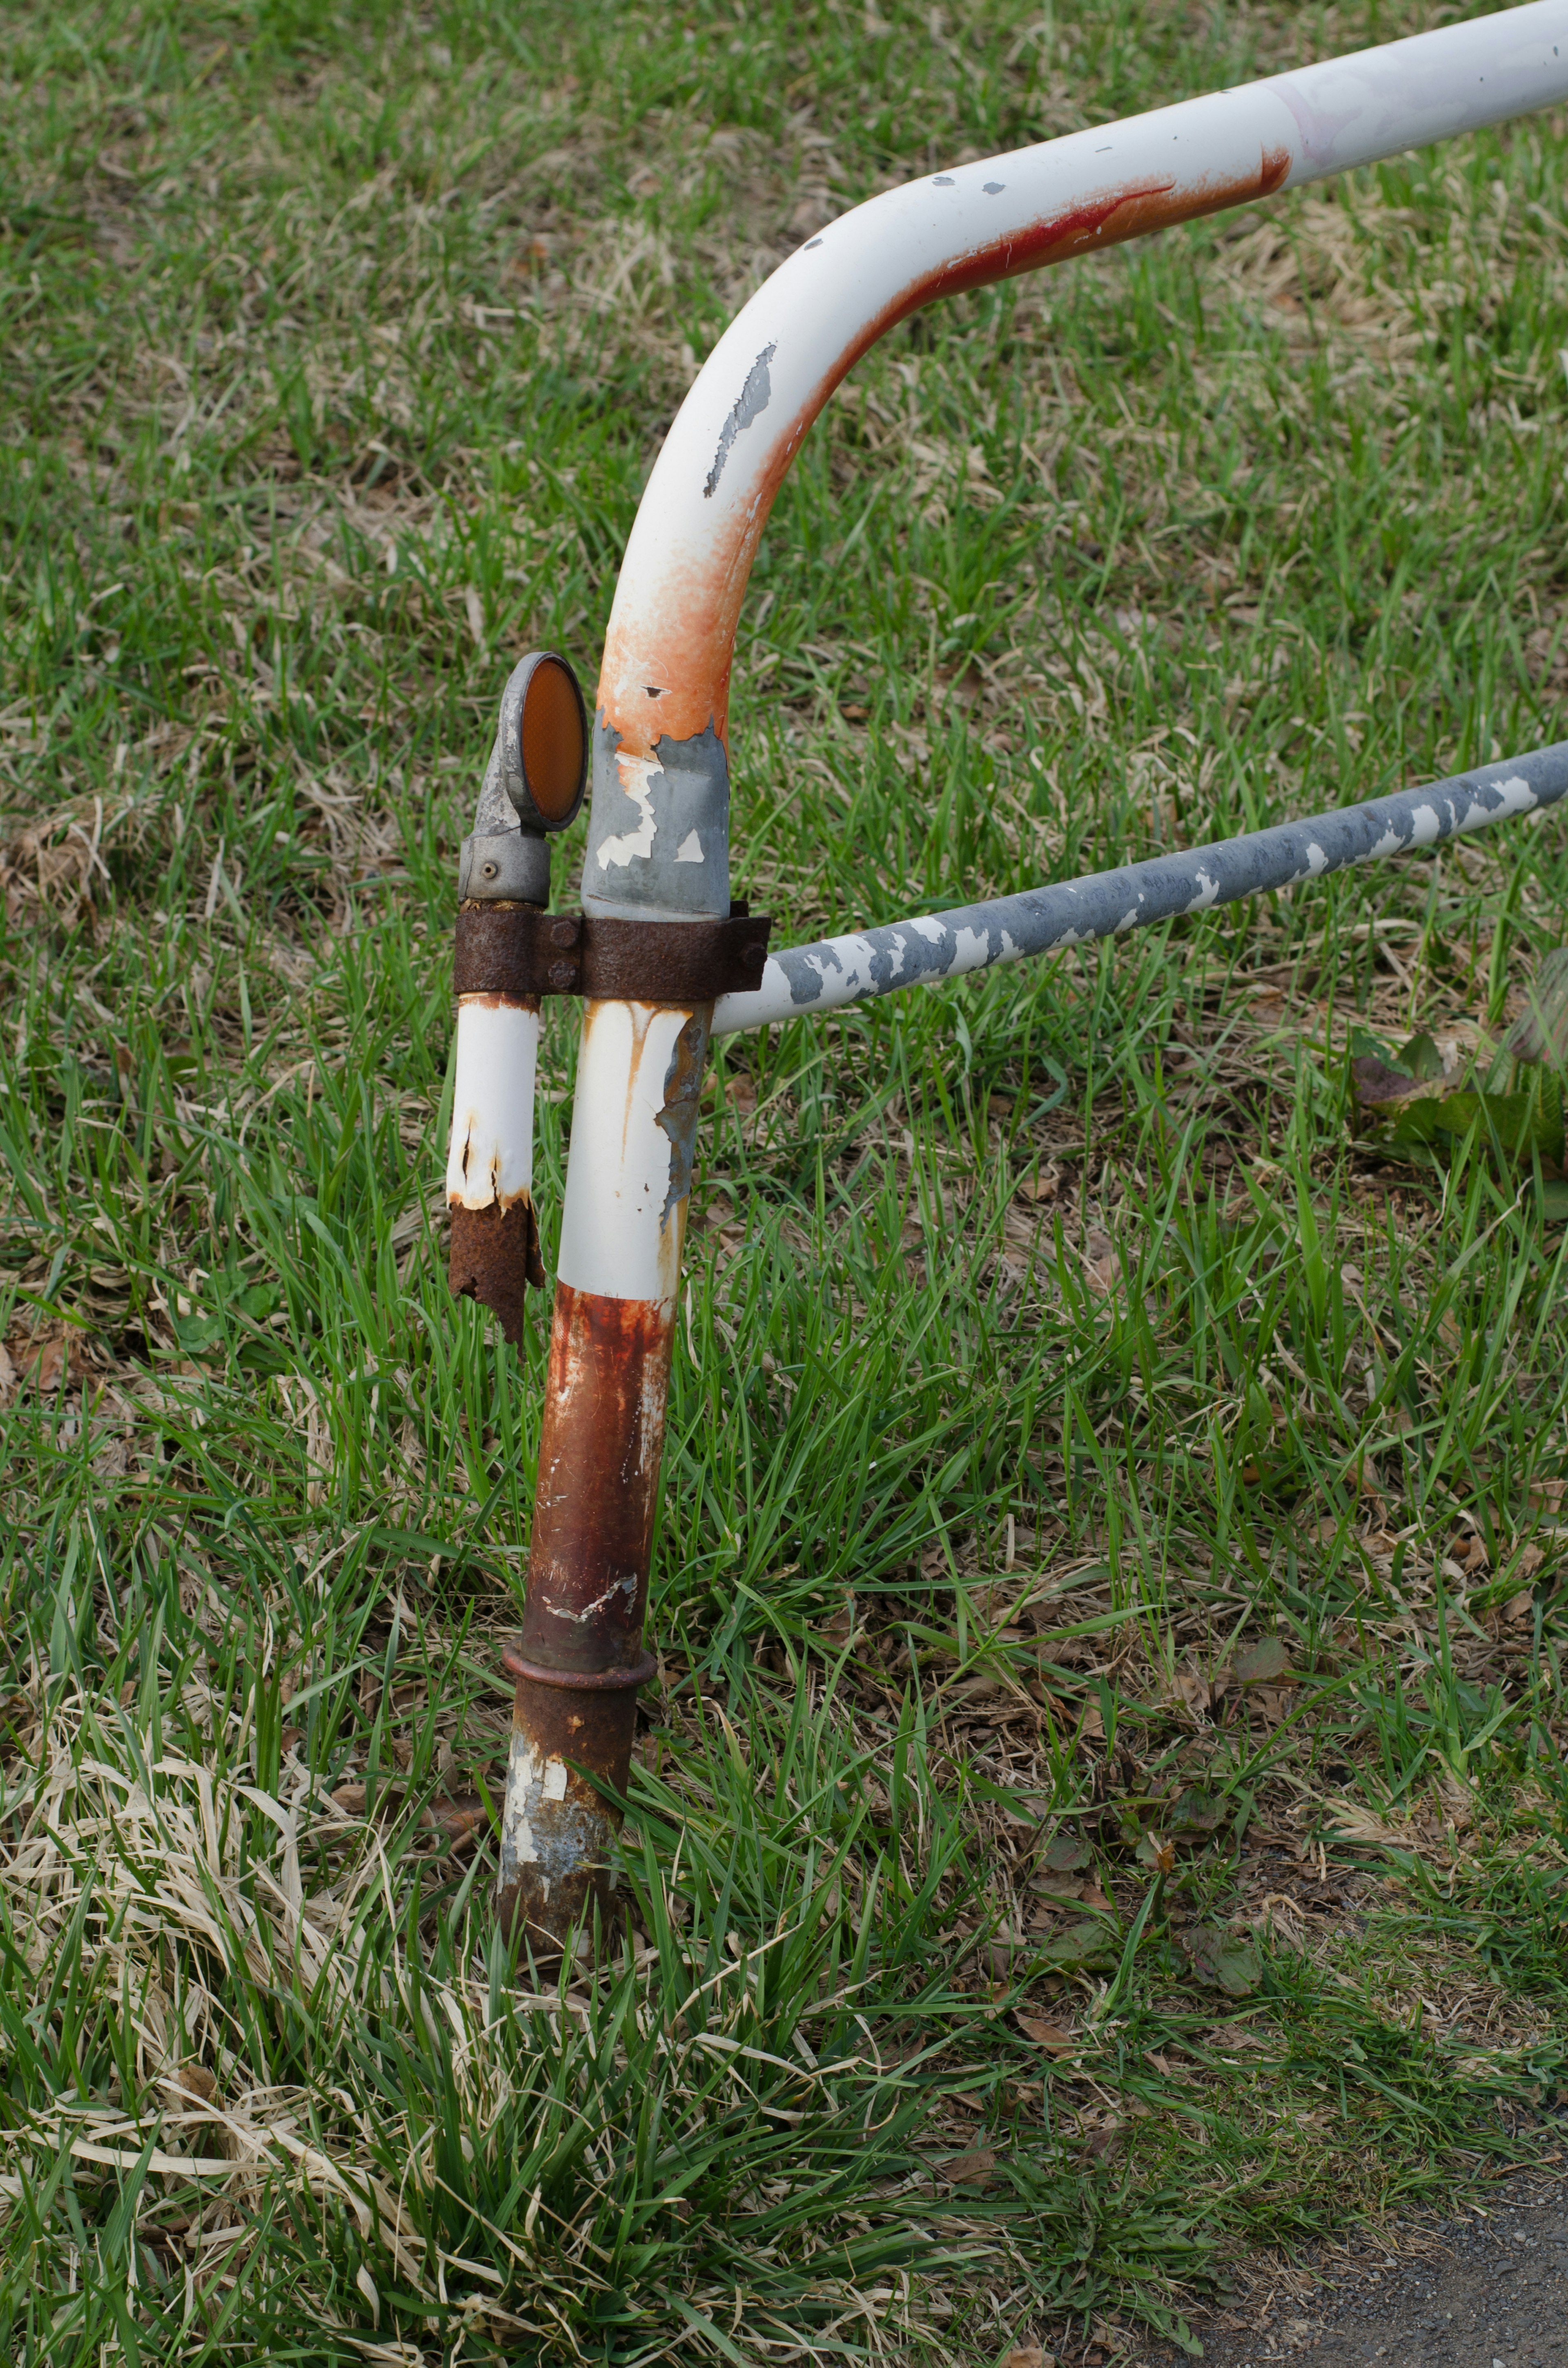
[691, 655]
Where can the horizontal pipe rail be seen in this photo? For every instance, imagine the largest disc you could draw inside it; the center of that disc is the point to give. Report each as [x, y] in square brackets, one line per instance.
[835, 971]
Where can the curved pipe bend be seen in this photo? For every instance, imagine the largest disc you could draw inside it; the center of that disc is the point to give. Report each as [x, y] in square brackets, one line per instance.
[658, 839]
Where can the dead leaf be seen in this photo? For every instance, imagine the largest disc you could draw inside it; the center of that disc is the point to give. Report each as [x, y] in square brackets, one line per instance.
[974, 2168]
[52, 1350]
[1055, 2037]
[1064, 1853]
[1058, 1887]
[1520, 1606]
[1198, 1812]
[1105, 2145]
[1190, 1685]
[1530, 1561]
[1264, 1663]
[1221, 1960]
[1028, 2355]
[1085, 1942]
[1155, 1851]
[1546, 1496]
[1101, 1263]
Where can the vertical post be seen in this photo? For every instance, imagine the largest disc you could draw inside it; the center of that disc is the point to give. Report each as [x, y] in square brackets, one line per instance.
[581, 1658]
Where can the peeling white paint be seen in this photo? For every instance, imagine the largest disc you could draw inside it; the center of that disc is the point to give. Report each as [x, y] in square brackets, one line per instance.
[522, 1794]
[627, 1587]
[620, 1234]
[1130, 919]
[1425, 828]
[1390, 844]
[1207, 890]
[1517, 798]
[972, 951]
[1316, 859]
[554, 1785]
[636, 776]
[690, 849]
[491, 1148]
[934, 931]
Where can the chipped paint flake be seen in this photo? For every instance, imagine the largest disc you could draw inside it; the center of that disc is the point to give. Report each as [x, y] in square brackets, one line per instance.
[690, 849]
[554, 1785]
[636, 779]
[751, 403]
[523, 1788]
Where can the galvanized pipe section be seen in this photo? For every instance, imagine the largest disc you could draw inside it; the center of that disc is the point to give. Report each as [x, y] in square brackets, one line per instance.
[659, 832]
[581, 1658]
[836, 971]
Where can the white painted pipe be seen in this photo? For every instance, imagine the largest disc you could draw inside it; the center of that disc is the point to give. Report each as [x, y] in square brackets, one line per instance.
[492, 1154]
[628, 1174]
[665, 682]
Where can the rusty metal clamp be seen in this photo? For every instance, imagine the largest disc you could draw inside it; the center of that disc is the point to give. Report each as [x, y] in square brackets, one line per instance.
[512, 950]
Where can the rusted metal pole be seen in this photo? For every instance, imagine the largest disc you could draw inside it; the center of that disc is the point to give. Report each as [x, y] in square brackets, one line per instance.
[582, 1655]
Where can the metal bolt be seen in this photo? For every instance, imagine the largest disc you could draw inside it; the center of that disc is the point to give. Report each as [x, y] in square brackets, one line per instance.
[563, 976]
[488, 871]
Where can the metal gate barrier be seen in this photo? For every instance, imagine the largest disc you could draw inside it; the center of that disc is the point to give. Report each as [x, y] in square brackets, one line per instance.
[663, 959]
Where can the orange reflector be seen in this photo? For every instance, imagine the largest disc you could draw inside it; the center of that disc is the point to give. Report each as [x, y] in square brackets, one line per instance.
[554, 742]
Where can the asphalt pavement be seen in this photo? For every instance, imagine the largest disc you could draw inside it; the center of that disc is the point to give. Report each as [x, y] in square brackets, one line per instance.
[1488, 2289]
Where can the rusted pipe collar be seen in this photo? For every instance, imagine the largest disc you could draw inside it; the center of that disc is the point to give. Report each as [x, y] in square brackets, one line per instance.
[540, 1673]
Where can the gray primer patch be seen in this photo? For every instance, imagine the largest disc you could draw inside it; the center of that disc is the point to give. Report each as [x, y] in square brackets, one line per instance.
[755, 398]
[993, 188]
[678, 1119]
[634, 865]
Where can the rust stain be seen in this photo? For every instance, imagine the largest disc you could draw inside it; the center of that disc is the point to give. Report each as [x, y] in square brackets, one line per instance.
[501, 1002]
[688, 653]
[494, 1257]
[598, 1474]
[598, 1471]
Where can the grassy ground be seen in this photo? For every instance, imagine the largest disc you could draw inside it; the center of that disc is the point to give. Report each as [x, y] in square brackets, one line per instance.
[1103, 1810]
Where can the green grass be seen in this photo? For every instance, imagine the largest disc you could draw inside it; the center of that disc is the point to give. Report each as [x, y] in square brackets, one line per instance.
[1050, 1348]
